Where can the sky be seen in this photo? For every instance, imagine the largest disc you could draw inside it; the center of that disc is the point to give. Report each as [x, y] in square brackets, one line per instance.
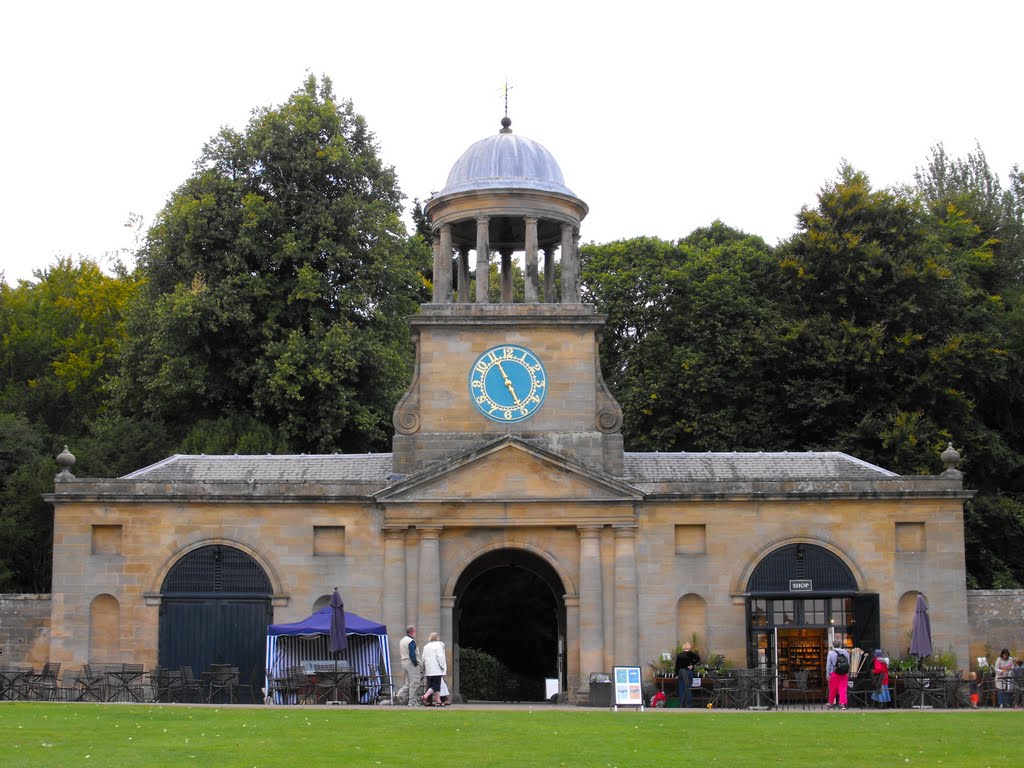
[664, 116]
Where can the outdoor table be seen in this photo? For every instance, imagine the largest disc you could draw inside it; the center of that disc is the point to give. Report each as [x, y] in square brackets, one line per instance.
[335, 681]
[915, 686]
[758, 687]
[12, 680]
[124, 683]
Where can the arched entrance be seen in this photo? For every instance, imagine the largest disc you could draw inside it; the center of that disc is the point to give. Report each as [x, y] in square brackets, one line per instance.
[800, 597]
[509, 604]
[215, 609]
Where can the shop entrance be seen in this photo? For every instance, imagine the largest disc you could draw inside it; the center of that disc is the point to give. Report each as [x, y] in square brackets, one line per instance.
[801, 597]
[509, 624]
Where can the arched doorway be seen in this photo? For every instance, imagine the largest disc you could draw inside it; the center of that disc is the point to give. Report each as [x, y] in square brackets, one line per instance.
[509, 604]
[215, 609]
[800, 597]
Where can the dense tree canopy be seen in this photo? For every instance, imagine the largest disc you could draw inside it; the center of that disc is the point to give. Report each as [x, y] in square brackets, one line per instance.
[278, 280]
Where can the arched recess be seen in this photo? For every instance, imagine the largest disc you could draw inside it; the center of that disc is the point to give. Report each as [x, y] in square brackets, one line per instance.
[321, 602]
[692, 619]
[510, 603]
[215, 608]
[104, 629]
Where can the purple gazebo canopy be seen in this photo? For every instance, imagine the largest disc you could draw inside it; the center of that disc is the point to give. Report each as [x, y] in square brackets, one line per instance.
[320, 624]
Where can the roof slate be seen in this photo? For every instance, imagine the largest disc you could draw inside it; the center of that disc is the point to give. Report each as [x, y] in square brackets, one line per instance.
[313, 468]
[639, 467]
[689, 467]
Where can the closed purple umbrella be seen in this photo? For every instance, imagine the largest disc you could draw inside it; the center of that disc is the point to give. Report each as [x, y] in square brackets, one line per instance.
[339, 642]
[921, 631]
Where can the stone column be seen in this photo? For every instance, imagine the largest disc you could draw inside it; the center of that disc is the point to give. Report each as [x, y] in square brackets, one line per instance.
[572, 646]
[429, 613]
[531, 287]
[435, 242]
[463, 274]
[591, 625]
[506, 275]
[570, 269]
[627, 615]
[394, 615]
[443, 267]
[483, 258]
[549, 275]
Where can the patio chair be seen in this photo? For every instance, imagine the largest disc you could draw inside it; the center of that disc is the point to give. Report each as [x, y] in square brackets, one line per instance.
[257, 679]
[725, 692]
[93, 684]
[43, 687]
[799, 692]
[302, 689]
[1017, 691]
[190, 690]
[222, 683]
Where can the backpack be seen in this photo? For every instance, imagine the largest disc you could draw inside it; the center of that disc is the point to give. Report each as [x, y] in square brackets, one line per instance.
[842, 665]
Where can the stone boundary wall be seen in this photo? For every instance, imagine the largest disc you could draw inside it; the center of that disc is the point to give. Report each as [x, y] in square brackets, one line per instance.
[24, 630]
[996, 618]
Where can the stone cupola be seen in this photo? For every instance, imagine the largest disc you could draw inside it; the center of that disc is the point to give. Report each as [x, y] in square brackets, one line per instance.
[505, 194]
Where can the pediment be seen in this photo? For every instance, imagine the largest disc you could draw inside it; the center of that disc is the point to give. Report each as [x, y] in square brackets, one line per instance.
[509, 470]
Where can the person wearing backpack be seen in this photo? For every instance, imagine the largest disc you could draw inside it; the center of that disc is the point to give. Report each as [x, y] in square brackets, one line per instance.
[837, 669]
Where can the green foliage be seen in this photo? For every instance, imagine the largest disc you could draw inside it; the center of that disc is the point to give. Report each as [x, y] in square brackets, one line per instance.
[59, 337]
[481, 676]
[278, 283]
[691, 347]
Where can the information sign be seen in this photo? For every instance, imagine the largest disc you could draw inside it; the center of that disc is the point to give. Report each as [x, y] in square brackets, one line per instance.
[628, 687]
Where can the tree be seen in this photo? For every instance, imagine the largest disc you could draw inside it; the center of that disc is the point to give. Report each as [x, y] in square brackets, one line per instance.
[278, 280]
[60, 337]
[691, 346]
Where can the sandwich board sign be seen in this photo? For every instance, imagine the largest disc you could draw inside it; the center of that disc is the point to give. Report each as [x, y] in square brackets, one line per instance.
[628, 688]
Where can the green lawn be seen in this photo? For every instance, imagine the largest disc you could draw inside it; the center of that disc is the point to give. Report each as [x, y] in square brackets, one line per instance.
[126, 735]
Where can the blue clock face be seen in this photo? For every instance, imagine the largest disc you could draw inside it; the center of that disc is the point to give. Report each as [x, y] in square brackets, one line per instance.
[508, 383]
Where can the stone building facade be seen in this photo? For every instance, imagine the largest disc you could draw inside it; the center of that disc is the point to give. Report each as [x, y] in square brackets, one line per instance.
[508, 453]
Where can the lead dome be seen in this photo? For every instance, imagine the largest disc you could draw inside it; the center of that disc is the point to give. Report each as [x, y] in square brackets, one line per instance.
[505, 161]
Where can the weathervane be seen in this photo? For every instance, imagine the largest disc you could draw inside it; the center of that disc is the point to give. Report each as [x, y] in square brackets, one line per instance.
[504, 92]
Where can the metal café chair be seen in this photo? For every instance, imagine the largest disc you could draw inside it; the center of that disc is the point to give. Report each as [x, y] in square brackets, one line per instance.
[190, 688]
[725, 692]
[43, 687]
[303, 690]
[221, 683]
[93, 684]
[1017, 675]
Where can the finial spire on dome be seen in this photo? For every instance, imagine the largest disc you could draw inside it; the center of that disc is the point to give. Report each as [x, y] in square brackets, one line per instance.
[506, 122]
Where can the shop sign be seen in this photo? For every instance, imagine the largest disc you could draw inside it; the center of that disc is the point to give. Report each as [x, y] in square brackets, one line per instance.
[800, 585]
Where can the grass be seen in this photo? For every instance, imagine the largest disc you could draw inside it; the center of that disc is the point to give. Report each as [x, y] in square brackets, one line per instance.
[56, 735]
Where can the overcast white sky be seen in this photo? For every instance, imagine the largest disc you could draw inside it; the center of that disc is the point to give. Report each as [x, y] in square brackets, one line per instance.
[663, 115]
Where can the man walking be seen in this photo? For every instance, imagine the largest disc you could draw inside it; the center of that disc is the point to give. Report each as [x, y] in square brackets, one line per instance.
[410, 666]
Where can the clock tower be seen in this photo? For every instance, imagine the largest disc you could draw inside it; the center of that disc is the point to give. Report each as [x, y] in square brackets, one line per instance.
[529, 369]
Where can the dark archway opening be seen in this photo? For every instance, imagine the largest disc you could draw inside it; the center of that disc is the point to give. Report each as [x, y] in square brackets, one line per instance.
[510, 606]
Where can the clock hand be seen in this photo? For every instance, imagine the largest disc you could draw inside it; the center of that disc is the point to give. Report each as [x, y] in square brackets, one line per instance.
[508, 383]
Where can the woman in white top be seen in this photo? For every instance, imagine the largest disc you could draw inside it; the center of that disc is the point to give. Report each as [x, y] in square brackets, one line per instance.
[435, 667]
[1004, 665]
